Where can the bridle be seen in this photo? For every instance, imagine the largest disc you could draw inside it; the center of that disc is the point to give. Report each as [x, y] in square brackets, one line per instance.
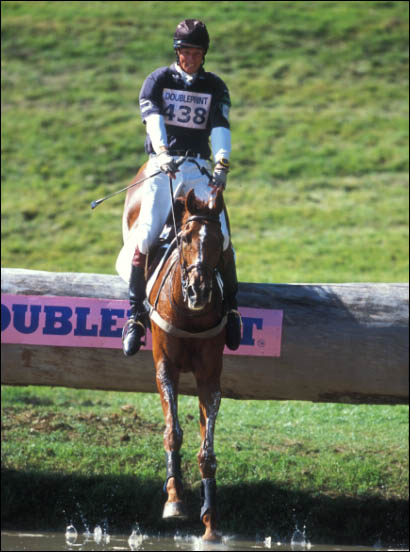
[199, 265]
[178, 260]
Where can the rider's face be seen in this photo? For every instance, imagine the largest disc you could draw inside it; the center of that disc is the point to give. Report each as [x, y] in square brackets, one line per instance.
[190, 59]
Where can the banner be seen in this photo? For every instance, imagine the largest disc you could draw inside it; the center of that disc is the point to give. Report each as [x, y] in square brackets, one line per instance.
[90, 322]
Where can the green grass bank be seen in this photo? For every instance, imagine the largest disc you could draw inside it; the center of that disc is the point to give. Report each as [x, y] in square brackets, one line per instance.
[74, 455]
[319, 186]
[318, 193]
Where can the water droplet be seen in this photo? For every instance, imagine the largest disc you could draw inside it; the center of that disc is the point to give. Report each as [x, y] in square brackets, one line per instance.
[71, 534]
[135, 539]
[97, 534]
[298, 540]
[106, 537]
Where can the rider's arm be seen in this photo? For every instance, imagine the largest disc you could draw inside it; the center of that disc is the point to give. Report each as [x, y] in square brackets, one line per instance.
[221, 136]
[220, 128]
[220, 143]
[158, 136]
[150, 101]
[155, 125]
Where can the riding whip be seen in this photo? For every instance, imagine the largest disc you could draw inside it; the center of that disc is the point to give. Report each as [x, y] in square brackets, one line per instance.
[97, 202]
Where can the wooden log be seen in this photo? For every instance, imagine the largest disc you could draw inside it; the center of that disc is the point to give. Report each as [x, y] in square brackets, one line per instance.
[340, 343]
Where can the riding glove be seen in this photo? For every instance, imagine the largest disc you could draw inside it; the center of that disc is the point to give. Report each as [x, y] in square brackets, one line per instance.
[166, 163]
[220, 173]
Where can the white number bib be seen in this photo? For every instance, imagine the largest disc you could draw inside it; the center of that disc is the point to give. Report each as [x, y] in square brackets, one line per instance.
[186, 109]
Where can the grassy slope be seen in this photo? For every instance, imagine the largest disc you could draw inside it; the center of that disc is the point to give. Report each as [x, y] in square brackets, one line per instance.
[318, 193]
[341, 469]
[320, 134]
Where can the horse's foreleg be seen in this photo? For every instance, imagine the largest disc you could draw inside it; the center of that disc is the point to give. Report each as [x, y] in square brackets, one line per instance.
[209, 394]
[167, 383]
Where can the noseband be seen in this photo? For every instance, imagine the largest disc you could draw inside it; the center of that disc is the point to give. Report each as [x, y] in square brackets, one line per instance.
[200, 265]
[185, 270]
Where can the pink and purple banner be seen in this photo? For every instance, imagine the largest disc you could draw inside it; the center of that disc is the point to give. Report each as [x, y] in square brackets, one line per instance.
[90, 322]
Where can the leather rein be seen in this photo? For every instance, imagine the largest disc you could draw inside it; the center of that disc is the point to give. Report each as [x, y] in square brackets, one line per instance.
[185, 270]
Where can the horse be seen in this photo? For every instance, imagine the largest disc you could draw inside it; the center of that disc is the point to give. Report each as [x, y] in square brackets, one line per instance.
[188, 334]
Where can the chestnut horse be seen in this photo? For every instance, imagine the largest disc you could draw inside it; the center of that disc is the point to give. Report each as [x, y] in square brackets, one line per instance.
[188, 335]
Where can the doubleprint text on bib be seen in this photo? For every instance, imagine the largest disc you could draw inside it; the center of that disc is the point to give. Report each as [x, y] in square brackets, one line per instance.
[186, 109]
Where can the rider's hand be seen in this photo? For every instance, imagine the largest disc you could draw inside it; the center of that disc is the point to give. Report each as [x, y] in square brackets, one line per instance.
[220, 173]
[166, 163]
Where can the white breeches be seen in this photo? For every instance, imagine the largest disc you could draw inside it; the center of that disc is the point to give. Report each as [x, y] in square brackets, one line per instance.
[156, 206]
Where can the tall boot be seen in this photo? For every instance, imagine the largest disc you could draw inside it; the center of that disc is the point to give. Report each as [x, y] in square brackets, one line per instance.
[134, 328]
[227, 270]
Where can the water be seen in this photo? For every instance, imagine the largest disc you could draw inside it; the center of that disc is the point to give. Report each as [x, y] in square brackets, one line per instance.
[100, 540]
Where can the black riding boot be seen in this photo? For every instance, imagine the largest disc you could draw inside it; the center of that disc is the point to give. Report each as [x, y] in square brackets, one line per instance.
[234, 324]
[134, 328]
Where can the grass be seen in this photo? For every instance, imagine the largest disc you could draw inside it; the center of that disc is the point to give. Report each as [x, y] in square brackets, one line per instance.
[101, 453]
[319, 120]
[318, 193]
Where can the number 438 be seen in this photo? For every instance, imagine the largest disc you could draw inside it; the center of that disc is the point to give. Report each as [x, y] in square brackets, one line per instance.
[185, 115]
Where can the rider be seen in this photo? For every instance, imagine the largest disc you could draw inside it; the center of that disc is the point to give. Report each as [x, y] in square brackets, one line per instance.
[182, 106]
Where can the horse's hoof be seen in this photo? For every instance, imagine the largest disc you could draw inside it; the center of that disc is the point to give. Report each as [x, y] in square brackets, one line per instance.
[174, 510]
[212, 536]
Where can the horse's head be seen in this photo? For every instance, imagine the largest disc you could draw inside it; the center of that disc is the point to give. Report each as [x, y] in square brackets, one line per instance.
[201, 241]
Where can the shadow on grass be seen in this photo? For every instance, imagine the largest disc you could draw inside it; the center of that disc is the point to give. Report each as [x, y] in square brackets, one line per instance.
[50, 501]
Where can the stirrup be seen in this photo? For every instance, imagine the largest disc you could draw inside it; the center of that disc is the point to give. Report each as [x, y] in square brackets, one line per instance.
[237, 315]
[235, 311]
[133, 333]
[131, 322]
[233, 329]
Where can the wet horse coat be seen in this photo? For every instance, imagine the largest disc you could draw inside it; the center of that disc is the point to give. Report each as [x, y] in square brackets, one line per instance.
[188, 299]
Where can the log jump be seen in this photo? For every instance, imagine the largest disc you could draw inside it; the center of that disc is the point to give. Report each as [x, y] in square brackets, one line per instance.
[314, 342]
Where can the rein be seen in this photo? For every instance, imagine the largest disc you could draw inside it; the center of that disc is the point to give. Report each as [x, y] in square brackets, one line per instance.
[185, 270]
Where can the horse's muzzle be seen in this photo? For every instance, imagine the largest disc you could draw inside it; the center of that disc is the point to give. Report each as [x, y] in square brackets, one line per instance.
[199, 294]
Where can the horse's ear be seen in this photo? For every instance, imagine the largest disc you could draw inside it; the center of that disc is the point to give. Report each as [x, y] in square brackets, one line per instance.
[218, 203]
[190, 202]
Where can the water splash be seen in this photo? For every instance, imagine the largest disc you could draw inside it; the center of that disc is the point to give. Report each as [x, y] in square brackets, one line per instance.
[198, 543]
[268, 542]
[97, 535]
[71, 534]
[135, 539]
[106, 536]
[299, 541]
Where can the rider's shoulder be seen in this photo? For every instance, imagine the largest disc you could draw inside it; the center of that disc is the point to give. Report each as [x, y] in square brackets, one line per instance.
[159, 73]
[213, 78]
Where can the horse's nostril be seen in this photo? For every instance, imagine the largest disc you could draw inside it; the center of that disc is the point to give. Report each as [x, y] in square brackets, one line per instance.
[191, 292]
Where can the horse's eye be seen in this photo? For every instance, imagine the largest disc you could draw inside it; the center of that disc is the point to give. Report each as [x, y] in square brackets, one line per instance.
[186, 238]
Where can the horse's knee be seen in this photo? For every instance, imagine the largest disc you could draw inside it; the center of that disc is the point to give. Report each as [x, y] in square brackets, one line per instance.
[166, 384]
[173, 437]
[207, 463]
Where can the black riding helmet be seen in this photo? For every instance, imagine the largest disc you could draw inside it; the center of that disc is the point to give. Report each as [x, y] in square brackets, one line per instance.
[191, 33]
